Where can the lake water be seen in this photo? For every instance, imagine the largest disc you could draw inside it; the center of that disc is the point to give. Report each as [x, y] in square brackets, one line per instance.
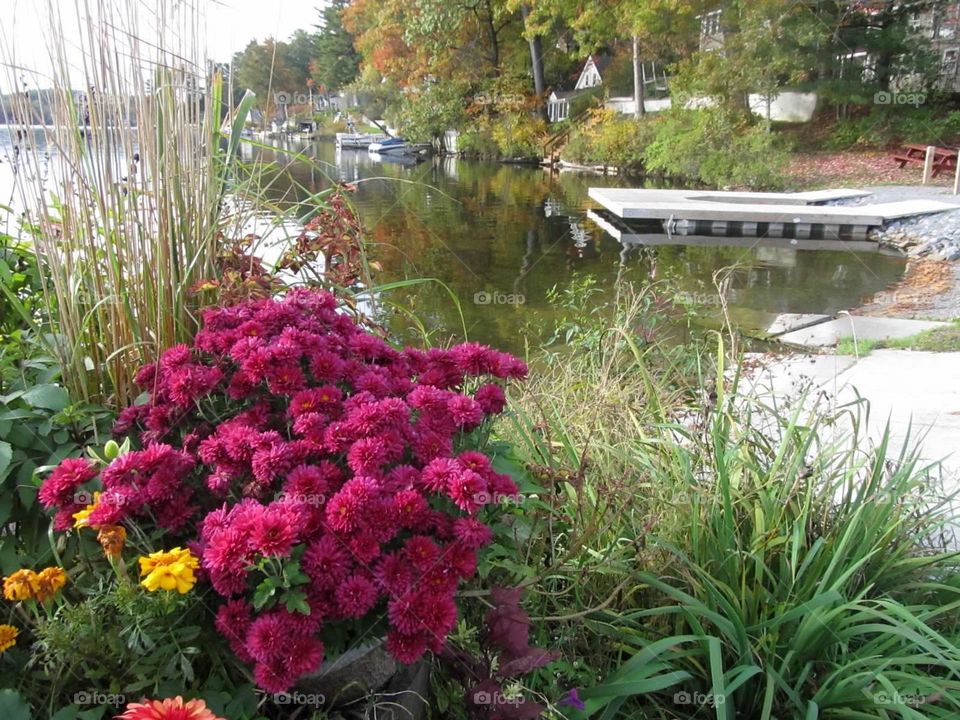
[501, 236]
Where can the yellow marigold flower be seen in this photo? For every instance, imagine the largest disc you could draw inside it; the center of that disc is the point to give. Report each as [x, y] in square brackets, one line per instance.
[112, 539]
[82, 517]
[22, 585]
[8, 637]
[170, 570]
[49, 582]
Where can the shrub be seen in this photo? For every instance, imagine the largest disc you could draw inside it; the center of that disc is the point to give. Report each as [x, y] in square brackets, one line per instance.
[477, 141]
[519, 135]
[882, 128]
[426, 115]
[325, 480]
[610, 138]
[717, 147]
[40, 424]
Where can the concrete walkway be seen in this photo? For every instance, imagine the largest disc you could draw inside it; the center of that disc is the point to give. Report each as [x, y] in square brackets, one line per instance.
[829, 332]
[917, 392]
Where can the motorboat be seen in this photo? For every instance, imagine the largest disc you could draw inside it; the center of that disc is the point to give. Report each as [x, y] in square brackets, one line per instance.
[358, 140]
[399, 146]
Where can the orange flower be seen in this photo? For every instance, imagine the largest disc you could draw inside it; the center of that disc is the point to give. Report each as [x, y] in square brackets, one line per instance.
[22, 585]
[169, 709]
[8, 637]
[112, 539]
[49, 582]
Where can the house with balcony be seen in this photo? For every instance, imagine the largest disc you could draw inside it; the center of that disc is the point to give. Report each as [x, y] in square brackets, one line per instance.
[610, 77]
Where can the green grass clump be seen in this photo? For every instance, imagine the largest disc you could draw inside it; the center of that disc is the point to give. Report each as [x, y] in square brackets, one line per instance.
[942, 339]
[698, 552]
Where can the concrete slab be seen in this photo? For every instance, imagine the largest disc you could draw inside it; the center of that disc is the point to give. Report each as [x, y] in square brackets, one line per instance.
[809, 197]
[862, 328]
[788, 322]
[916, 393]
[766, 208]
[791, 375]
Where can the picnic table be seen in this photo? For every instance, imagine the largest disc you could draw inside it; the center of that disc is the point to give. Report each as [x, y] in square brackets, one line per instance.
[943, 158]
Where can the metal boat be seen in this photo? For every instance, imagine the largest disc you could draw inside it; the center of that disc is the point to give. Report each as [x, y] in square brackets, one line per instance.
[358, 140]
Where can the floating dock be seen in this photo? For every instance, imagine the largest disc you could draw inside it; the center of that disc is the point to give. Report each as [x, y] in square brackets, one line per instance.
[721, 234]
[791, 215]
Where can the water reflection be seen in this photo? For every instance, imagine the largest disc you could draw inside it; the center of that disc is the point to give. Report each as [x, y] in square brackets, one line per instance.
[505, 232]
[486, 228]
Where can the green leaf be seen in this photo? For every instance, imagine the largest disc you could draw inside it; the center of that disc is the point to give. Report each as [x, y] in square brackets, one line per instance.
[49, 397]
[265, 591]
[296, 601]
[67, 713]
[6, 507]
[12, 706]
[6, 455]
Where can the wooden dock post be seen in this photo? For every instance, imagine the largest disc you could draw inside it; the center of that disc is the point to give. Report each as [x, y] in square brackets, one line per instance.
[956, 177]
[928, 164]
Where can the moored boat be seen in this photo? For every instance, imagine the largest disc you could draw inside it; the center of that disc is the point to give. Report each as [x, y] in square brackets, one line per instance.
[358, 140]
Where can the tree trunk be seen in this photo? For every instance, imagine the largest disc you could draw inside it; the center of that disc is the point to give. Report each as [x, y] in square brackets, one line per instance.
[536, 59]
[638, 88]
[494, 38]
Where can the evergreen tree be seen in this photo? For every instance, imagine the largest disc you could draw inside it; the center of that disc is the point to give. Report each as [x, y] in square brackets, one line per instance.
[336, 61]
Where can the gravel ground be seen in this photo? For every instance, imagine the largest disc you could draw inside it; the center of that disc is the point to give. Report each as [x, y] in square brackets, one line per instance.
[932, 242]
[935, 237]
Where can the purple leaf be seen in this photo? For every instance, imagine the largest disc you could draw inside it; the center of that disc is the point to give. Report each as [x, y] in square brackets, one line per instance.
[533, 659]
[508, 626]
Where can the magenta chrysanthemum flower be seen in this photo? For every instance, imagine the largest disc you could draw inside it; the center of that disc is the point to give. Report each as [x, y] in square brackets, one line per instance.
[355, 596]
[406, 648]
[422, 552]
[274, 531]
[303, 655]
[471, 533]
[70, 474]
[491, 398]
[273, 678]
[439, 473]
[286, 428]
[233, 622]
[394, 573]
[469, 491]
[326, 561]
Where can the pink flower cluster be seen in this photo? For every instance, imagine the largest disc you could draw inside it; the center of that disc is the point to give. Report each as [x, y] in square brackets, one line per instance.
[290, 434]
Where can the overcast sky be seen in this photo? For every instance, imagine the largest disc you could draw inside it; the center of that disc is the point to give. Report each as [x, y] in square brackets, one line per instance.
[230, 25]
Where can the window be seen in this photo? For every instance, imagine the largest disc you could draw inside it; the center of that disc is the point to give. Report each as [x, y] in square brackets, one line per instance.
[710, 23]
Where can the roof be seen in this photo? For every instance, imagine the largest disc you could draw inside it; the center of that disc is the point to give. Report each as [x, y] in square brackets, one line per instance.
[566, 94]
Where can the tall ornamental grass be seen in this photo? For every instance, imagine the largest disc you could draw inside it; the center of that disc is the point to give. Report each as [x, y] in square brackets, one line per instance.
[700, 551]
[124, 195]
